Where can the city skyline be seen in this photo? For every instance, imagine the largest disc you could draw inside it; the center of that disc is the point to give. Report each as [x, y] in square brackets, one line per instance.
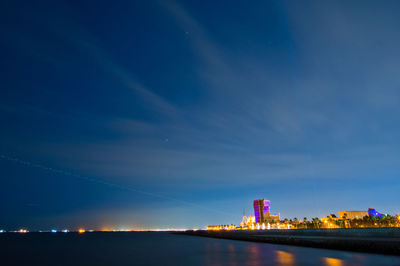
[179, 114]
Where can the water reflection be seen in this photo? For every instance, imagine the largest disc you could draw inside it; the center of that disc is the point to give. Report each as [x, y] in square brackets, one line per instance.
[284, 258]
[254, 255]
[142, 248]
[332, 262]
[213, 254]
[232, 255]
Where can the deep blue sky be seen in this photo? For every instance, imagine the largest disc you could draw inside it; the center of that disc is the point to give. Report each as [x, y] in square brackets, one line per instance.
[202, 105]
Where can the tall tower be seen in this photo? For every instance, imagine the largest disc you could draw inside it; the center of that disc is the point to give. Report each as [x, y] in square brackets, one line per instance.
[261, 209]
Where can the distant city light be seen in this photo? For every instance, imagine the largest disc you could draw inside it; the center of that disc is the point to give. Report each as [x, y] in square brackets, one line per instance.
[156, 230]
[65, 231]
[263, 220]
[2, 231]
[53, 230]
[81, 231]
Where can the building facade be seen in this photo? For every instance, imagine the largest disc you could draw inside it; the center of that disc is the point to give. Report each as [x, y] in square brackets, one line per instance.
[262, 212]
[353, 214]
[373, 212]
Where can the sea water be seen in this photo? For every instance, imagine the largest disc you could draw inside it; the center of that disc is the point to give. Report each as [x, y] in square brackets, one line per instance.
[161, 248]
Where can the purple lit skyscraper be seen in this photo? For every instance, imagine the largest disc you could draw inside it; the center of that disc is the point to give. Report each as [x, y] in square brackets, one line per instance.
[261, 209]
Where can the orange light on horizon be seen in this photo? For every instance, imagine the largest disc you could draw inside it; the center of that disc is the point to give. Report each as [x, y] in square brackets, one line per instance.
[81, 231]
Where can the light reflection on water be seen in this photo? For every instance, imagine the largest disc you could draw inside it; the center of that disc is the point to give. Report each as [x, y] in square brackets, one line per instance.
[168, 249]
[333, 262]
[232, 255]
[284, 258]
[254, 255]
[228, 252]
[211, 254]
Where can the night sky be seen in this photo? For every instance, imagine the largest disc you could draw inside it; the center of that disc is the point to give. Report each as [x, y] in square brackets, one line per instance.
[145, 114]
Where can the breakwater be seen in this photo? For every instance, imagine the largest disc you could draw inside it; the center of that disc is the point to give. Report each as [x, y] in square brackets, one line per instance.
[372, 240]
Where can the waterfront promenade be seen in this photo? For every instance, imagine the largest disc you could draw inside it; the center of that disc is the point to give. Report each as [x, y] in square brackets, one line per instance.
[372, 240]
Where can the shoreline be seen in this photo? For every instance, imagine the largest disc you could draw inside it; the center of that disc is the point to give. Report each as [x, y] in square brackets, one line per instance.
[369, 240]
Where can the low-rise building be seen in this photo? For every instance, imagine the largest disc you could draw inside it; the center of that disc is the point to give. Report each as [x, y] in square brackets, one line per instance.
[221, 227]
[352, 214]
[329, 218]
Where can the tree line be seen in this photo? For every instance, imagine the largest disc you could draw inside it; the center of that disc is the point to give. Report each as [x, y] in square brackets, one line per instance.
[344, 222]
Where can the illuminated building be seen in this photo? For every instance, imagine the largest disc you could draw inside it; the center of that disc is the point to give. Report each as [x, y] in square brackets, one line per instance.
[261, 207]
[330, 221]
[215, 227]
[262, 211]
[359, 214]
[221, 227]
[373, 212]
[329, 218]
[353, 214]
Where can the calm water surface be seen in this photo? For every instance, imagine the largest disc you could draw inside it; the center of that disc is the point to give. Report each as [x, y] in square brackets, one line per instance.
[149, 248]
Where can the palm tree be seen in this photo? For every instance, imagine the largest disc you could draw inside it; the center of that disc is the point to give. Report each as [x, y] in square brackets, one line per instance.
[305, 221]
[365, 220]
[373, 220]
[340, 223]
[315, 222]
[318, 221]
[345, 219]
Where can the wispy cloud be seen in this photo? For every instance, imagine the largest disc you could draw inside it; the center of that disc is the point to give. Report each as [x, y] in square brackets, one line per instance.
[126, 78]
[202, 43]
[325, 110]
[71, 33]
[249, 129]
